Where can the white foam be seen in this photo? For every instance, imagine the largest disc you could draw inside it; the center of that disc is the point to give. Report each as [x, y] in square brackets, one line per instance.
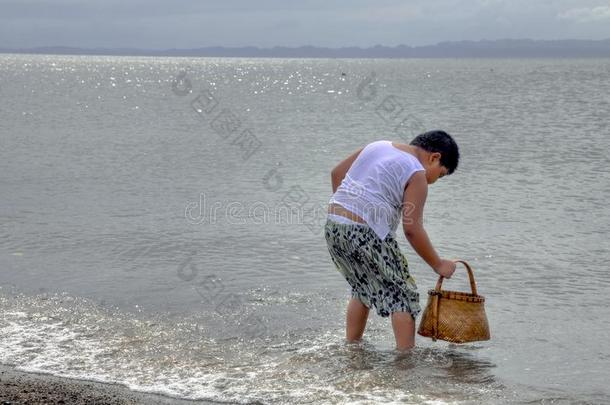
[84, 342]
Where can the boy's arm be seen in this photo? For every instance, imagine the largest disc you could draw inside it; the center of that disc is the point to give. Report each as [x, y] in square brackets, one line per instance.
[338, 173]
[414, 200]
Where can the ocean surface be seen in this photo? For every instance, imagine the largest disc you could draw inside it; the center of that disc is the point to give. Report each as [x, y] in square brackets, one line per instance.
[161, 225]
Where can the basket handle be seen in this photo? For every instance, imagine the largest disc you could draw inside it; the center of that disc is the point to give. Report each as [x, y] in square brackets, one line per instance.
[473, 284]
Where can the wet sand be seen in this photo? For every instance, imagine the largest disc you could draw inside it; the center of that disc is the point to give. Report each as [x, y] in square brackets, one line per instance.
[17, 387]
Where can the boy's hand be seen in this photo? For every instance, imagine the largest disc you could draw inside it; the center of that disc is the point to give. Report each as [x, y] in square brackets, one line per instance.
[445, 268]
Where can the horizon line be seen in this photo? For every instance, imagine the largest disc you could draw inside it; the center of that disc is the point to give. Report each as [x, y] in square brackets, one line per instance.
[157, 49]
[483, 48]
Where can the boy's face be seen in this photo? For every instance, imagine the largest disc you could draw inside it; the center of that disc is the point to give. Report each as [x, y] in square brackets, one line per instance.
[434, 169]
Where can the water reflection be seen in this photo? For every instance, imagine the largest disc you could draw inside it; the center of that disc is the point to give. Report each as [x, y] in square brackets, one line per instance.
[453, 363]
[465, 368]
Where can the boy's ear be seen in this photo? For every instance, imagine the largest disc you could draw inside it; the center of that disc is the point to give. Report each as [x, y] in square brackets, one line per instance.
[434, 156]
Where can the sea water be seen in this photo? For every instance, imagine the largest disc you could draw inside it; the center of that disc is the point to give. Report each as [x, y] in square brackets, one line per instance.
[161, 224]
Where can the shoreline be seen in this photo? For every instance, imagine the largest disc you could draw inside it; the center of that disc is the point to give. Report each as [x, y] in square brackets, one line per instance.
[21, 387]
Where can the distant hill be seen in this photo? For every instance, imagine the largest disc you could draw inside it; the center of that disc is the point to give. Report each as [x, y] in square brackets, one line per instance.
[457, 49]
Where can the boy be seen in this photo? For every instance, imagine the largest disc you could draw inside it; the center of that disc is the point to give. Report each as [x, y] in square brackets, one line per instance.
[373, 189]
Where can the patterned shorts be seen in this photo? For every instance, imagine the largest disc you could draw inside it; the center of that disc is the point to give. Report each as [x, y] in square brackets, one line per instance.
[376, 270]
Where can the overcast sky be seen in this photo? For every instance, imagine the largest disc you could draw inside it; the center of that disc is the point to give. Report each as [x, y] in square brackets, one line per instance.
[157, 24]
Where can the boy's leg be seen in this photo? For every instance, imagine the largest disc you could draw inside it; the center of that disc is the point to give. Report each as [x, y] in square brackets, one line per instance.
[357, 315]
[404, 330]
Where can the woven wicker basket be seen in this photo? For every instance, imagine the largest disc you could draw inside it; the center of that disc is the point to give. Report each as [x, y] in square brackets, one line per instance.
[457, 317]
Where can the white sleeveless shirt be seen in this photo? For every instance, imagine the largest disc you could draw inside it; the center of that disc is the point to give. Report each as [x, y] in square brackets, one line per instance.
[374, 185]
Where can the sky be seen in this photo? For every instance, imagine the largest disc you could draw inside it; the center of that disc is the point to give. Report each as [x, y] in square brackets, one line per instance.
[156, 24]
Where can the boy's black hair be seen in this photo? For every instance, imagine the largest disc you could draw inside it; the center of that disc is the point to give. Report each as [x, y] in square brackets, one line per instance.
[442, 142]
